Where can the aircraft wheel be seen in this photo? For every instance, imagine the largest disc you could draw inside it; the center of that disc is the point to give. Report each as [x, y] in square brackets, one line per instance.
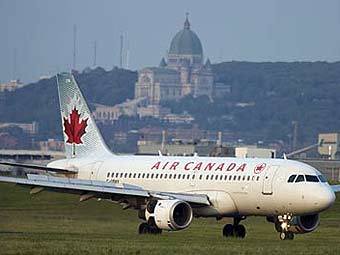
[154, 230]
[228, 230]
[143, 229]
[283, 236]
[290, 235]
[240, 231]
[286, 236]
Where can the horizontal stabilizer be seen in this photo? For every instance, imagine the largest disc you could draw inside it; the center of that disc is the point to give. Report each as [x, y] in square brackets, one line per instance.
[42, 168]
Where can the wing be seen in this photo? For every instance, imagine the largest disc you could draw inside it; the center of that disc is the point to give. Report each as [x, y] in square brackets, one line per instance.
[42, 168]
[335, 188]
[99, 189]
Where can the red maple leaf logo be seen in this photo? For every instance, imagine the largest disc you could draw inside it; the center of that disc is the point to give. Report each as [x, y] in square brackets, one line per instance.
[74, 129]
[259, 168]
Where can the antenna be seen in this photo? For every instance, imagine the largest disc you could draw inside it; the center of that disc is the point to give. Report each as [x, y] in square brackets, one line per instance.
[74, 46]
[121, 51]
[95, 53]
[15, 64]
[127, 58]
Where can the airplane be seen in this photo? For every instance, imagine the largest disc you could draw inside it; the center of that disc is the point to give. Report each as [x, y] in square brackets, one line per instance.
[169, 191]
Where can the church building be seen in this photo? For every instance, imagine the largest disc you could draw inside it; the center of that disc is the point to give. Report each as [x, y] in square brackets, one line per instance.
[182, 73]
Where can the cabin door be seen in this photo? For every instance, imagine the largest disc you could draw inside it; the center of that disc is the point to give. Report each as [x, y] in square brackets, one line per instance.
[269, 175]
[95, 170]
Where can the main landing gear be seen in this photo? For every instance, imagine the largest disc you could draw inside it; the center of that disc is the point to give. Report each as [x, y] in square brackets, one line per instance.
[145, 228]
[282, 226]
[235, 230]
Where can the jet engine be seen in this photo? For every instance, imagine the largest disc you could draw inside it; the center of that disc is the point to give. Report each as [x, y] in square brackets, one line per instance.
[304, 224]
[169, 214]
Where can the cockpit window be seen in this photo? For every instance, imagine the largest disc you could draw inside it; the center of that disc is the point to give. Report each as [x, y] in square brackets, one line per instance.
[312, 178]
[300, 178]
[291, 178]
[322, 178]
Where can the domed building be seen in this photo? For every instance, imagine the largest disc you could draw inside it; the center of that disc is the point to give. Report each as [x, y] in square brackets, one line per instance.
[183, 72]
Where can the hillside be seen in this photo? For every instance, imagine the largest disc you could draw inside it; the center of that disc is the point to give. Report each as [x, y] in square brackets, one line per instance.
[39, 101]
[265, 99]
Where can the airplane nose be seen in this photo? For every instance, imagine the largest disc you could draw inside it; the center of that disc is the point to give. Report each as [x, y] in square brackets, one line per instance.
[326, 198]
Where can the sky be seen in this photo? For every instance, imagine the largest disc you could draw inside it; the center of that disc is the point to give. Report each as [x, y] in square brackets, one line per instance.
[36, 36]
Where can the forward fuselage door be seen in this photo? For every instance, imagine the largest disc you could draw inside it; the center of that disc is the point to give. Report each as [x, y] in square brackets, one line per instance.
[95, 169]
[267, 186]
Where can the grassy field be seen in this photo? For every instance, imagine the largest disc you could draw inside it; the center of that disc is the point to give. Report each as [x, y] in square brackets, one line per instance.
[50, 223]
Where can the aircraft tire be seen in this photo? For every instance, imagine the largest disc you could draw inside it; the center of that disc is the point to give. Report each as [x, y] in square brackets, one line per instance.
[143, 229]
[240, 231]
[286, 236]
[228, 230]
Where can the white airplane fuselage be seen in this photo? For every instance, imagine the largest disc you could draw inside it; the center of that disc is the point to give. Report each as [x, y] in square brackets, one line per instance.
[234, 186]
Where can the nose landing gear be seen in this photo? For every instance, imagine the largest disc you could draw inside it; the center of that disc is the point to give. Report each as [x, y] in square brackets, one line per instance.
[282, 226]
[235, 230]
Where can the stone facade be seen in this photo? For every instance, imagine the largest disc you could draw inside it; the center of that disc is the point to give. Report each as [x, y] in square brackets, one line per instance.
[184, 72]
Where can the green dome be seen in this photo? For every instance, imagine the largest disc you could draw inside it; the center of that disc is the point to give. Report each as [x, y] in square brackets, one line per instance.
[186, 42]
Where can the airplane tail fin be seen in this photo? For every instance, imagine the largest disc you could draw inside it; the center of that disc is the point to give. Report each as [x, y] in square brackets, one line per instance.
[81, 135]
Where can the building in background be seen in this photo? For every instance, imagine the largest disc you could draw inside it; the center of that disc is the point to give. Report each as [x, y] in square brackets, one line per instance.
[183, 73]
[11, 86]
[28, 128]
[329, 145]
[254, 152]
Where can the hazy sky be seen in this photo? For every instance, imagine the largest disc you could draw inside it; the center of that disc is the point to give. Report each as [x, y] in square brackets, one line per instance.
[40, 32]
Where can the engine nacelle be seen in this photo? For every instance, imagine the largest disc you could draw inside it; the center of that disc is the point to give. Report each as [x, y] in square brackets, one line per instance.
[304, 224]
[169, 214]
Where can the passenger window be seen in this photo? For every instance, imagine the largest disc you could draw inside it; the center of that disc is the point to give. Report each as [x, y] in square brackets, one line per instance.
[258, 178]
[322, 178]
[188, 176]
[134, 175]
[161, 176]
[143, 176]
[312, 178]
[139, 175]
[170, 175]
[112, 175]
[121, 175]
[200, 177]
[221, 177]
[244, 178]
[248, 179]
[126, 175]
[300, 178]
[207, 177]
[179, 176]
[216, 177]
[156, 176]
[230, 177]
[108, 175]
[212, 177]
[226, 177]
[147, 176]
[174, 176]
[117, 174]
[193, 177]
[130, 175]
[165, 176]
[151, 176]
[183, 177]
[239, 178]
[235, 177]
[291, 178]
